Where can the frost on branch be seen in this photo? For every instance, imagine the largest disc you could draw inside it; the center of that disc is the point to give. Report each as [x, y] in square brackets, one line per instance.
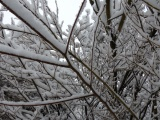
[105, 69]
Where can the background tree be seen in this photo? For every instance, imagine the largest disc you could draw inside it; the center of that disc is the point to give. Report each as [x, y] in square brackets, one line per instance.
[108, 69]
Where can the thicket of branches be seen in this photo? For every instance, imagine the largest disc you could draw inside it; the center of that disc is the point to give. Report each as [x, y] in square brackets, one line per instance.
[105, 70]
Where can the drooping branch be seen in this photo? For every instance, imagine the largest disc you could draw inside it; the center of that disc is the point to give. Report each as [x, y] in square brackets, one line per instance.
[34, 23]
[32, 56]
[47, 102]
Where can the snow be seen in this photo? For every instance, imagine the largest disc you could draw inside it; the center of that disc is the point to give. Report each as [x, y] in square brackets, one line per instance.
[29, 55]
[82, 7]
[156, 83]
[116, 14]
[80, 73]
[34, 23]
[41, 85]
[75, 22]
[153, 3]
[57, 84]
[16, 28]
[146, 36]
[38, 103]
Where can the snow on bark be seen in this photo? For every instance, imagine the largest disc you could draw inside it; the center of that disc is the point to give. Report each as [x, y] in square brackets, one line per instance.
[34, 23]
[32, 56]
[47, 102]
